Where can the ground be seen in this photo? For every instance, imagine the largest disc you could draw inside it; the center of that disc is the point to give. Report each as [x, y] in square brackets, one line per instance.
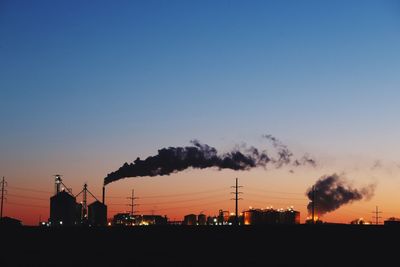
[297, 245]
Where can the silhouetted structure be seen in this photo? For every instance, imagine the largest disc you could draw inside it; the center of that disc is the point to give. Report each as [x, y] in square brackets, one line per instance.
[271, 216]
[123, 219]
[201, 219]
[223, 217]
[289, 216]
[151, 220]
[126, 219]
[190, 219]
[392, 221]
[236, 219]
[9, 222]
[63, 209]
[97, 214]
[359, 221]
[212, 220]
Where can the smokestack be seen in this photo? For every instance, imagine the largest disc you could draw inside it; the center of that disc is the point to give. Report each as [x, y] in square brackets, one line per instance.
[313, 204]
[104, 194]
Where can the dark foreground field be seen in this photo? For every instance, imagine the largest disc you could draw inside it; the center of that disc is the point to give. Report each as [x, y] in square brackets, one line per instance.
[300, 245]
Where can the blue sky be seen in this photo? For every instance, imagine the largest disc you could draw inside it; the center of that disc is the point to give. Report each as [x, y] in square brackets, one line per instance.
[123, 78]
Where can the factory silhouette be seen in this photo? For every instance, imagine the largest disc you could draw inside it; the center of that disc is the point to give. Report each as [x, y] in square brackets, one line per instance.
[253, 237]
[65, 211]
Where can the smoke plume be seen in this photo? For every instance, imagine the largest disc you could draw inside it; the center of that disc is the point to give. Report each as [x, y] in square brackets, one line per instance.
[199, 156]
[333, 191]
[285, 156]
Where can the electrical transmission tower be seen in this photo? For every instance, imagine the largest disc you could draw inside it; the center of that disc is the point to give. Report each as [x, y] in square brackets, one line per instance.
[377, 217]
[132, 204]
[3, 192]
[236, 186]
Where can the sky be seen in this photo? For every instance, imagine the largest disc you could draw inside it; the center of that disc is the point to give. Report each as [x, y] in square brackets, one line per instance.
[88, 85]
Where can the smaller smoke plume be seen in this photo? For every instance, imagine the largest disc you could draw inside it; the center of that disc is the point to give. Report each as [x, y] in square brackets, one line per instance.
[305, 160]
[285, 155]
[334, 191]
[377, 165]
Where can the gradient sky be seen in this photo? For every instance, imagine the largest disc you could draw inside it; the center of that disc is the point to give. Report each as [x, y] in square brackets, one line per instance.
[88, 85]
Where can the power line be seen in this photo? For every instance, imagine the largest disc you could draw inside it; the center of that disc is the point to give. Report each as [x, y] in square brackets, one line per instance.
[168, 202]
[29, 189]
[27, 205]
[186, 194]
[26, 197]
[274, 203]
[275, 192]
[187, 207]
[265, 196]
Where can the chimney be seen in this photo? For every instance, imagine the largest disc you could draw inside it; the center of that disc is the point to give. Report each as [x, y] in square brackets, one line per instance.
[104, 194]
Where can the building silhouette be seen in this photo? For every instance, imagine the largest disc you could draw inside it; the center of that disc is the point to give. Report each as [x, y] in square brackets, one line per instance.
[201, 219]
[126, 219]
[63, 209]
[10, 222]
[271, 216]
[190, 219]
[97, 214]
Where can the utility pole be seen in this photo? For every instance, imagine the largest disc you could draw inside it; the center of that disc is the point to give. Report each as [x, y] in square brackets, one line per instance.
[3, 191]
[376, 217]
[132, 198]
[236, 200]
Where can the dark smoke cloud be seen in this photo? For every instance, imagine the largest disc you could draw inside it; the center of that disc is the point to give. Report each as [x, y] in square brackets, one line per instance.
[305, 160]
[333, 191]
[285, 156]
[199, 156]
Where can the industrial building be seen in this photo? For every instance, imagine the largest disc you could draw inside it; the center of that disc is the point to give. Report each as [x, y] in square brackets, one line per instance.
[63, 209]
[151, 220]
[392, 221]
[190, 219]
[9, 222]
[271, 216]
[97, 215]
[126, 219]
[201, 219]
